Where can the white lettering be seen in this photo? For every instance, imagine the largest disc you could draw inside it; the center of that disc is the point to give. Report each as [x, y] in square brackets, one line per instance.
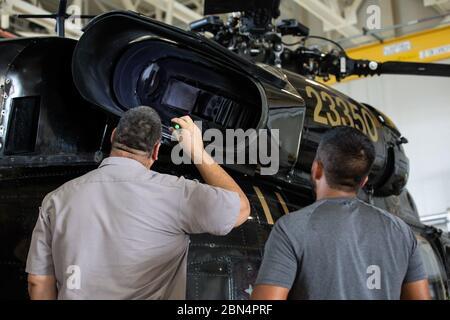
[74, 280]
[374, 19]
[374, 280]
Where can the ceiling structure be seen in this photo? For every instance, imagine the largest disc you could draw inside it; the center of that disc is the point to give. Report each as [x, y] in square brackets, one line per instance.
[347, 21]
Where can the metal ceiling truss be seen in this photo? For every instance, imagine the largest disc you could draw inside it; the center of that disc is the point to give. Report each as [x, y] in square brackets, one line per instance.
[334, 17]
[441, 6]
[169, 9]
[14, 7]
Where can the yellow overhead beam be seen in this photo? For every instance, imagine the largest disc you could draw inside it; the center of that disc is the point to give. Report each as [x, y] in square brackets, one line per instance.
[425, 46]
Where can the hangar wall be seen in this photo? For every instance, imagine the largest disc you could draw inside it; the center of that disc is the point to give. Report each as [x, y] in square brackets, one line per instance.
[420, 106]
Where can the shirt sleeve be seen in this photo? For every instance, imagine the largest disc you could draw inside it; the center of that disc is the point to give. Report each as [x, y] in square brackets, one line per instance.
[416, 270]
[207, 209]
[40, 260]
[279, 265]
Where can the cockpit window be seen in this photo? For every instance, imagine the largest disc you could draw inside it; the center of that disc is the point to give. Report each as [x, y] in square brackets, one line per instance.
[289, 122]
[436, 275]
[289, 88]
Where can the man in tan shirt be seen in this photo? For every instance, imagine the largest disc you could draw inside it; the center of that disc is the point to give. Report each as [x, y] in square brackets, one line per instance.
[122, 230]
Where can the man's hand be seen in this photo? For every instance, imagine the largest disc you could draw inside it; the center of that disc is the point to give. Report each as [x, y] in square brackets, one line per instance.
[42, 287]
[190, 139]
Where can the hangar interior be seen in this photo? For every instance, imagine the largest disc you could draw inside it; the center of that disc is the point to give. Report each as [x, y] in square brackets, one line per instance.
[374, 30]
[418, 106]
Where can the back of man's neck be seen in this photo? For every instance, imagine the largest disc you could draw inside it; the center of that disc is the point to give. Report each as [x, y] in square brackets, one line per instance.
[335, 194]
[124, 154]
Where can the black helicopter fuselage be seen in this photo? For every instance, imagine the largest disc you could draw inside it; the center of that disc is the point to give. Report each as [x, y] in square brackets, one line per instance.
[60, 99]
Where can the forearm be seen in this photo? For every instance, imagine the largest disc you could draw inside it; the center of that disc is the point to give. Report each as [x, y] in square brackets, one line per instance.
[418, 290]
[192, 142]
[42, 289]
[216, 176]
[268, 292]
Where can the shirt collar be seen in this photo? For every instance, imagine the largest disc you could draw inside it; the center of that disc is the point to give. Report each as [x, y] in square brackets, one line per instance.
[121, 161]
[339, 199]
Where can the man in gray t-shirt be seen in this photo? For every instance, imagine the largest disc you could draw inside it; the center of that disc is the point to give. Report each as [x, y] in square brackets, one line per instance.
[121, 231]
[340, 247]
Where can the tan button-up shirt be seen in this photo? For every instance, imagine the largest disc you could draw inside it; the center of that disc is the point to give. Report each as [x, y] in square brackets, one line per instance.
[121, 232]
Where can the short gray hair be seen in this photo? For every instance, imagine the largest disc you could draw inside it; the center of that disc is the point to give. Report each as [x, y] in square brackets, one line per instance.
[138, 129]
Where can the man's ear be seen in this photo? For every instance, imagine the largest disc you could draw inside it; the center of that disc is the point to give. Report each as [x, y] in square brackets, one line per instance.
[364, 182]
[113, 135]
[317, 170]
[155, 152]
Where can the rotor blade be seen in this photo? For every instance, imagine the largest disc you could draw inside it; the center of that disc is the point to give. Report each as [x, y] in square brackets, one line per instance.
[414, 68]
[41, 16]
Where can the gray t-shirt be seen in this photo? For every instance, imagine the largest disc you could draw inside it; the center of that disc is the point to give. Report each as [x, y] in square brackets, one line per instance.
[121, 232]
[341, 249]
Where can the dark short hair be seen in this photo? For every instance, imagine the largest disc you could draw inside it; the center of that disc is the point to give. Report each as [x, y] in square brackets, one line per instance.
[139, 129]
[347, 157]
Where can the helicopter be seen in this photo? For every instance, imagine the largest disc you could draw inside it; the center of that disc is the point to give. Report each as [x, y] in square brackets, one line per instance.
[61, 98]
